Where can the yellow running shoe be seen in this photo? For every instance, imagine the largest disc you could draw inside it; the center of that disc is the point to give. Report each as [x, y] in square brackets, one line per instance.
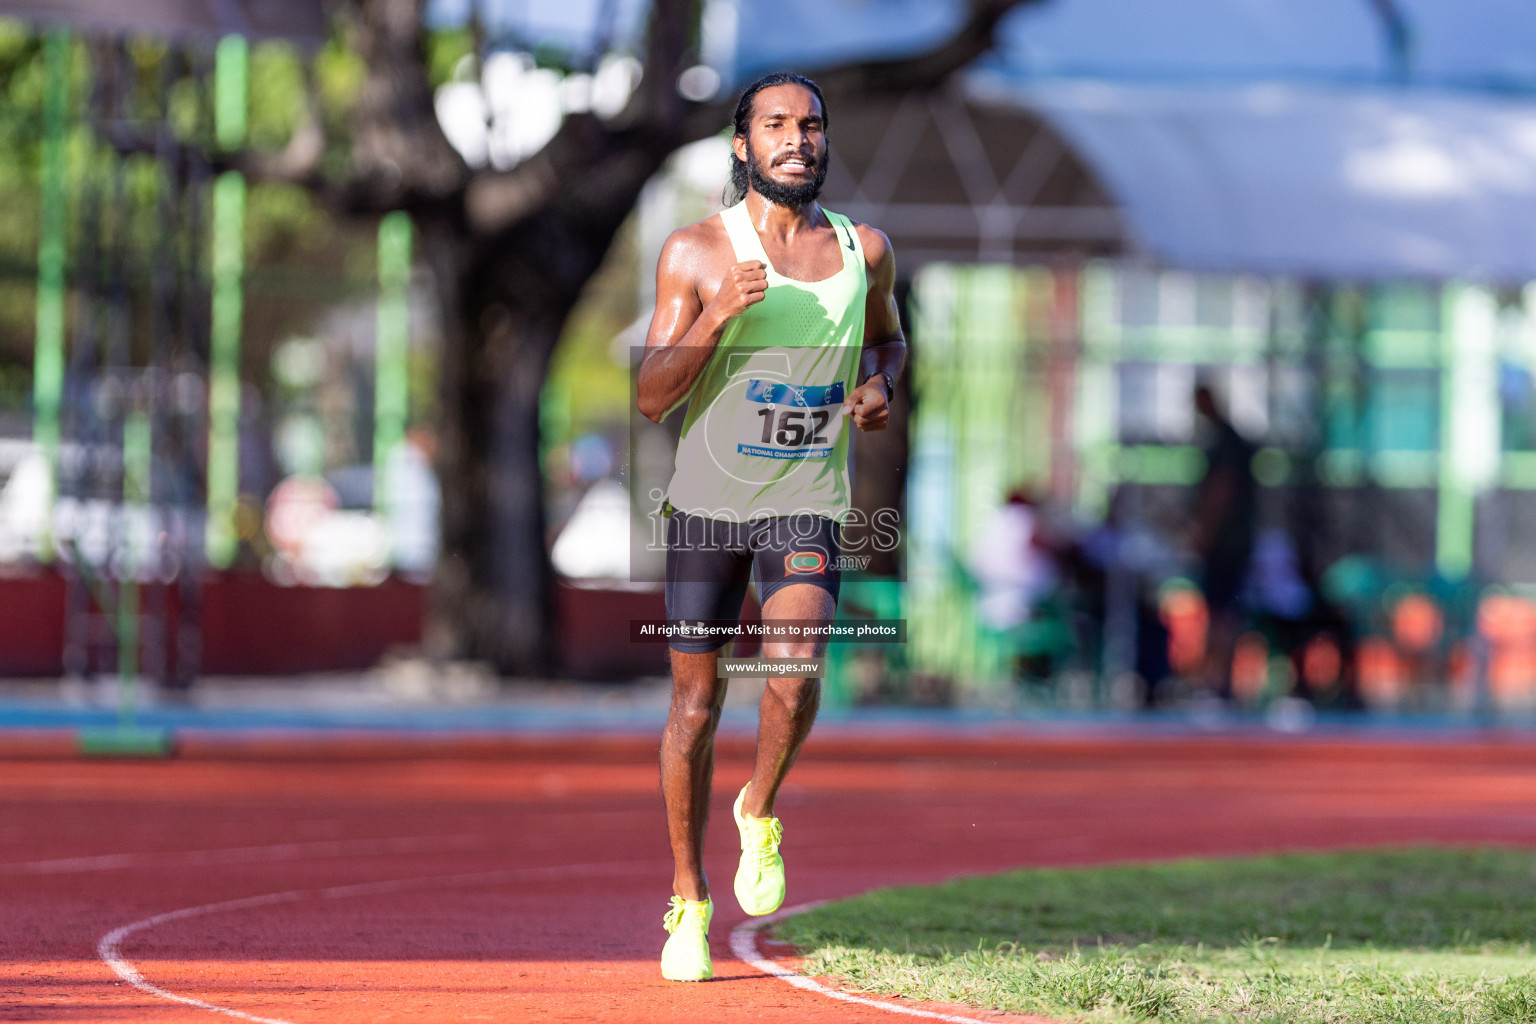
[685, 957]
[760, 878]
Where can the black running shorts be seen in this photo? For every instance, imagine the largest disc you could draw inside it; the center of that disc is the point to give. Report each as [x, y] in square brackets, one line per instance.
[709, 562]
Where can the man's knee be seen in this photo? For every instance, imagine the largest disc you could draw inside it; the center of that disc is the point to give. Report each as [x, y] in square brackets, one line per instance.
[696, 692]
[696, 704]
[796, 695]
[694, 714]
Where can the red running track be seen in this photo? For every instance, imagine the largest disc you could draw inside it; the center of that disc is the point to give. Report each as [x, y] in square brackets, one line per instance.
[525, 880]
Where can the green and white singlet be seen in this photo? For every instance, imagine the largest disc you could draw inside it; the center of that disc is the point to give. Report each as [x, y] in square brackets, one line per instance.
[764, 434]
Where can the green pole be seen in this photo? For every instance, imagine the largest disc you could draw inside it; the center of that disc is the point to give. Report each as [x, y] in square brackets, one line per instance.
[1096, 429]
[48, 357]
[391, 404]
[138, 454]
[128, 739]
[1469, 423]
[1453, 504]
[230, 86]
[231, 74]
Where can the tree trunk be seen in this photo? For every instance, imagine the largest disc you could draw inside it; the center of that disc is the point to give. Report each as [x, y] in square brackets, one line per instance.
[492, 598]
[504, 301]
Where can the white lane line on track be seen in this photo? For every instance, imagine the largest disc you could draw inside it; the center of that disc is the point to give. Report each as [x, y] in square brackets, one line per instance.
[744, 948]
[109, 949]
[245, 854]
[743, 936]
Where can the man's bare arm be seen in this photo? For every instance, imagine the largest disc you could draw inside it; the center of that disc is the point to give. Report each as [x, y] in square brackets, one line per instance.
[885, 348]
[684, 329]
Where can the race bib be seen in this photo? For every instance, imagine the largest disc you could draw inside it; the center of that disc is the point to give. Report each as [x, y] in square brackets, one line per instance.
[790, 421]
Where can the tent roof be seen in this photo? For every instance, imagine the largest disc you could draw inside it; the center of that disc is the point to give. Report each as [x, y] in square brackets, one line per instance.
[1308, 180]
[948, 179]
[1265, 135]
[1452, 43]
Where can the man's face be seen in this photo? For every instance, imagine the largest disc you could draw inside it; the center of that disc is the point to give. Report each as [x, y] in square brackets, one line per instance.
[786, 150]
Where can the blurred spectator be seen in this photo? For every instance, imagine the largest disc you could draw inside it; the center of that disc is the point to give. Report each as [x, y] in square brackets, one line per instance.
[1221, 532]
[1010, 565]
[1299, 621]
[1125, 563]
[1275, 586]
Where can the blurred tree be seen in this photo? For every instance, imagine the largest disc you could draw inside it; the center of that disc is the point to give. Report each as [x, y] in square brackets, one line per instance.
[290, 233]
[511, 250]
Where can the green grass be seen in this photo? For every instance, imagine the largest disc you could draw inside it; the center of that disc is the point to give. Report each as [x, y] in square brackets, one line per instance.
[1419, 936]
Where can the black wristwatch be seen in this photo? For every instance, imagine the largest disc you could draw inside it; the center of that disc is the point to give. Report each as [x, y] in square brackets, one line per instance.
[890, 383]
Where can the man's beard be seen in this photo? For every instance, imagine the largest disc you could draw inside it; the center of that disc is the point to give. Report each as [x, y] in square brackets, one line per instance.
[792, 196]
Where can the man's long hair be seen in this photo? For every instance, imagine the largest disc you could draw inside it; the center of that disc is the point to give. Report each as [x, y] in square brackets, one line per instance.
[741, 125]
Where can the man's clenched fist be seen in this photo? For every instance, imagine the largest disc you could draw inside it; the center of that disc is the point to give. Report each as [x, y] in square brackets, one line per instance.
[868, 405]
[744, 284]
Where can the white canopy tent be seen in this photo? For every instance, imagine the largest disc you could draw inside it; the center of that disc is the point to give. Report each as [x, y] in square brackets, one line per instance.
[1297, 137]
[1319, 181]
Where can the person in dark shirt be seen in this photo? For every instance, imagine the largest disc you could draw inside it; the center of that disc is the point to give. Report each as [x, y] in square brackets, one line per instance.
[1222, 528]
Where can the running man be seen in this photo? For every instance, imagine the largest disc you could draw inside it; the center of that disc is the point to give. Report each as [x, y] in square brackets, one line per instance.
[776, 322]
